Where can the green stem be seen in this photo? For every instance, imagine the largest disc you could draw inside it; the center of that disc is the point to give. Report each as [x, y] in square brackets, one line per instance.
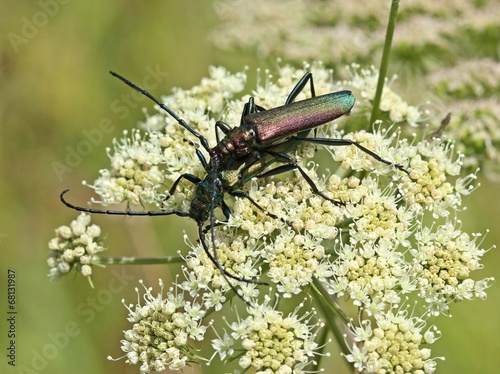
[321, 341]
[329, 307]
[391, 25]
[104, 260]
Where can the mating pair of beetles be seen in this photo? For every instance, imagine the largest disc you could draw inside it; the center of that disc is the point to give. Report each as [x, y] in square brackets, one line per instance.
[263, 138]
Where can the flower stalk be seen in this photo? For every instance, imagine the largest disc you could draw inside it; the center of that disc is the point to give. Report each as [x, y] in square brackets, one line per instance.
[107, 260]
[384, 63]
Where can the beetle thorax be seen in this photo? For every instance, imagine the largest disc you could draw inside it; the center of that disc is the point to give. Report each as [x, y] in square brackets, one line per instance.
[238, 142]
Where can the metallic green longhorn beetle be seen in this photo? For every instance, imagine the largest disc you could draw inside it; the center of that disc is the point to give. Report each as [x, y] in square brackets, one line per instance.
[263, 138]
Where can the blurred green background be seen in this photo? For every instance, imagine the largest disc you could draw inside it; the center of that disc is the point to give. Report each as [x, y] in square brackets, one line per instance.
[55, 89]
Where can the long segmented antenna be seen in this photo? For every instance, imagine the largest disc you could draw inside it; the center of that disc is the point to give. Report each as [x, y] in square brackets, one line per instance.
[152, 213]
[163, 106]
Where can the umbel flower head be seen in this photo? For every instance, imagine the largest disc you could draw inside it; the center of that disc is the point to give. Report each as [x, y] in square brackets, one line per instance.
[272, 342]
[162, 328]
[74, 247]
[394, 345]
[386, 229]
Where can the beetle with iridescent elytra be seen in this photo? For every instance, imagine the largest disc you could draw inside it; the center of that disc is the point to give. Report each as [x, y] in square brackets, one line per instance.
[263, 138]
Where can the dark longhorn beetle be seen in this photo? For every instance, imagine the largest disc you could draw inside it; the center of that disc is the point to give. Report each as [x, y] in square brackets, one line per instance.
[263, 138]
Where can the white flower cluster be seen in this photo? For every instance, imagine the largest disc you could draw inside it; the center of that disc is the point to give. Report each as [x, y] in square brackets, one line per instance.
[74, 247]
[475, 124]
[370, 241]
[135, 170]
[272, 342]
[394, 345]
[398, 110]
[162, 328]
